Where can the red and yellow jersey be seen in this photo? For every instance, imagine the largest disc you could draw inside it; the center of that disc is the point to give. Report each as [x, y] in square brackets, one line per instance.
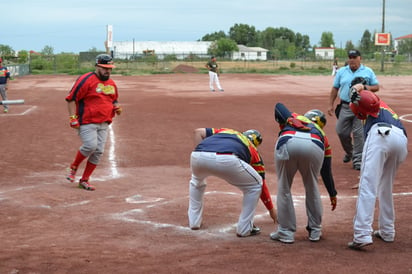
[4, 74]
[94, 99]
[304, 124]
[225, 140]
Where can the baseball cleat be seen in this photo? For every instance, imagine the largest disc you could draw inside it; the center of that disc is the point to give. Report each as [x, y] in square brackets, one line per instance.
[357, 246]
[314, 235]
[84, 184]
[71, 176]
[255, 231]
[378, 235]
[347, 158]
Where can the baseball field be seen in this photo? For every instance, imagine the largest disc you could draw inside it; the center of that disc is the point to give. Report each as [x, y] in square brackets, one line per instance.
[136, 220]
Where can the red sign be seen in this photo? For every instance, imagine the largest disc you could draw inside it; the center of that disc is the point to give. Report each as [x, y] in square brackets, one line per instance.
[382, 39]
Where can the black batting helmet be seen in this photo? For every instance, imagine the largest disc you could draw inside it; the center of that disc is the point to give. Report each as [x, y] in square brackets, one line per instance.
[254, 136]
[105, 61]
[316, 116]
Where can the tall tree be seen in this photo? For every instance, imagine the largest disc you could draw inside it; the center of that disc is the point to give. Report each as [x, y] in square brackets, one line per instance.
[223, 47]
[47, 50]
[214, 36]
[349, 45]
[243, 34]
[6, 50]
[366, 44]
[326, 39]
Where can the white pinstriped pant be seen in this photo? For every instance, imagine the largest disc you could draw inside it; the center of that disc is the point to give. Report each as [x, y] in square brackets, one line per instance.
[236, 172]
[382, 155]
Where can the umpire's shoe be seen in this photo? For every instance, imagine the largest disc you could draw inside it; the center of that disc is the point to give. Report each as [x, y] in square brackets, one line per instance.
[276, 237]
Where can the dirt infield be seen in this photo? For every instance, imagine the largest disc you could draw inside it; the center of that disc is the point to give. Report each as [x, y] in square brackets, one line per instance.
[136, 220]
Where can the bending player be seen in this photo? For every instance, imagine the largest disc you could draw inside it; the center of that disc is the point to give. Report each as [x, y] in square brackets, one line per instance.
[386, 147]
[233, 157]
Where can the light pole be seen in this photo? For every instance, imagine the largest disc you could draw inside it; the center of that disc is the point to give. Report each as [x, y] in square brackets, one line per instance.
[383, 31]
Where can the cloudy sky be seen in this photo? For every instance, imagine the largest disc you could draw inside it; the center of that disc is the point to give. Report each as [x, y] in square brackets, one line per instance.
[79, 25]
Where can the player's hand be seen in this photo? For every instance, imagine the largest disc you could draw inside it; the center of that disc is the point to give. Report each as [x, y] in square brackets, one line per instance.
[74, 122]
[118, 110]
[359, 87]
[331, 111]
[272, 214]
[333, 202]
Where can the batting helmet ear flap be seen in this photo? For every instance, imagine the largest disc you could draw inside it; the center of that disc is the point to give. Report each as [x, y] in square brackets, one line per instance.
[355, 109]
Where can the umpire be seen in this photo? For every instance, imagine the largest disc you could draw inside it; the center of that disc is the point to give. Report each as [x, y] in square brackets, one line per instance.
[358, 76]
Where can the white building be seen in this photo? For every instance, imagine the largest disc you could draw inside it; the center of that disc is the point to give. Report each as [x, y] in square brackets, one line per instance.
[181, 50]
[325, 53]
[125, 50]
[250, 53]
[399, 40]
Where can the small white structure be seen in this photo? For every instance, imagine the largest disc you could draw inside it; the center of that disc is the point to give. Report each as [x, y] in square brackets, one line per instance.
[250, 53]
[325, 53]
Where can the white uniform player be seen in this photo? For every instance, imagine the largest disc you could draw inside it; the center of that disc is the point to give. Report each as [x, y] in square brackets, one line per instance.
[385, 148]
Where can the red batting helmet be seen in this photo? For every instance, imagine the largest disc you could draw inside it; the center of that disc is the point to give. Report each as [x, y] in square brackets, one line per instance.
[369, 104]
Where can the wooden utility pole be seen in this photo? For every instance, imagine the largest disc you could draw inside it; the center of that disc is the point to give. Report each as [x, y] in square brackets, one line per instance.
[383, 31]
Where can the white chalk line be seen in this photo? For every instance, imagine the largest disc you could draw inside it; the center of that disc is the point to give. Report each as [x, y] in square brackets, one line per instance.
[112, 153]
[20, 114]
[130, 215]
[404, 119]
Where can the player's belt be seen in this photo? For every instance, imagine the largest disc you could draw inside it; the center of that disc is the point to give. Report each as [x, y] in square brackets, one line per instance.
[224, 153]
[286, 135]
[293, 133]
[344, 102]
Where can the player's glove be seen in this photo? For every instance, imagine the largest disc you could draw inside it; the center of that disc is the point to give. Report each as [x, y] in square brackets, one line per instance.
[118, 110]
[74, 122]
[354, 95]
[333, 202]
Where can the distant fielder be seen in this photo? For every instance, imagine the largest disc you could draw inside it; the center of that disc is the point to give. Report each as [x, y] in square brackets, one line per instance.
[213, 68]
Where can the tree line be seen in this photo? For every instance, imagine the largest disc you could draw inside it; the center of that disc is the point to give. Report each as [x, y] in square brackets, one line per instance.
[284, 43]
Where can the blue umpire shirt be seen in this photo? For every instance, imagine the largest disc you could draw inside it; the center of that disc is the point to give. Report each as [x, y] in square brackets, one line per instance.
[345, 76]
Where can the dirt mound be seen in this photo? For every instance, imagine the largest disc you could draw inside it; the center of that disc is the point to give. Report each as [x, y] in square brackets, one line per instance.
[185, 69]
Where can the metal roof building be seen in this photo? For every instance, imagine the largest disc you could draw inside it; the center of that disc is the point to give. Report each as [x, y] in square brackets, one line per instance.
[181, 50]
